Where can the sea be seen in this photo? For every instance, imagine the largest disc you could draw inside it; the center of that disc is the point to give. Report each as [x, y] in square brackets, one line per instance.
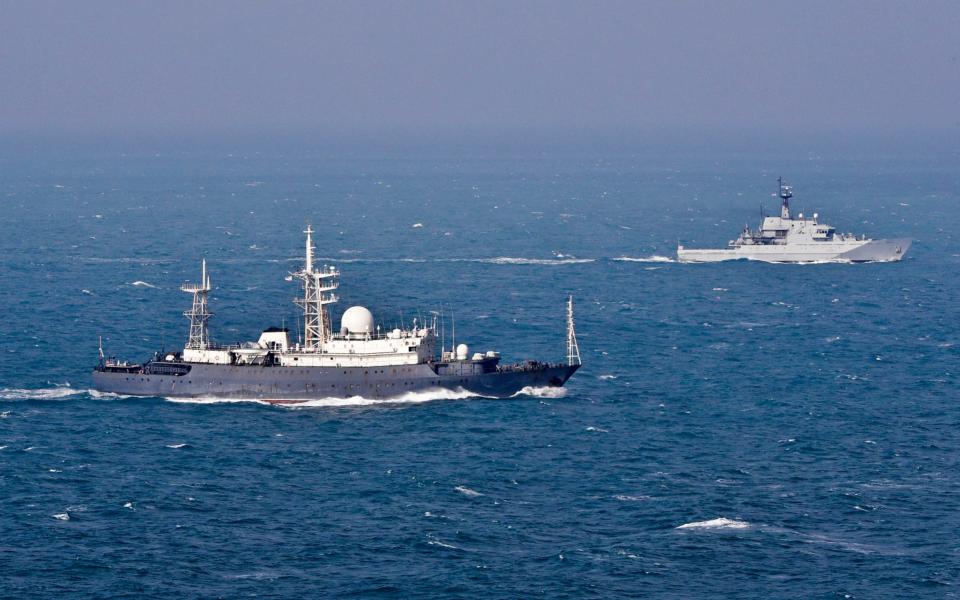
[737, 430]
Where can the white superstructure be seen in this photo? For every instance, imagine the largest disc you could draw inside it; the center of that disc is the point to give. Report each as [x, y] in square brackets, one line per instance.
[359, 342]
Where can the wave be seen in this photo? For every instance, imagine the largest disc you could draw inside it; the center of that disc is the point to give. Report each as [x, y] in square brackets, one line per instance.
[127, 260]
[177, 446]
[720, 523]
[542, 392]
[143, 284]
[467, 491]
[509, 260]
[656, 258]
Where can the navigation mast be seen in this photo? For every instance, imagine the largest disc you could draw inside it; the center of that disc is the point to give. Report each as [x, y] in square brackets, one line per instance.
[199, 313]
[318, 288]
[573, 349]
[785, 193]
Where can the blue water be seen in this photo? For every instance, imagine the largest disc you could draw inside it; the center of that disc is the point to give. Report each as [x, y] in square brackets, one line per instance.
[737, 429]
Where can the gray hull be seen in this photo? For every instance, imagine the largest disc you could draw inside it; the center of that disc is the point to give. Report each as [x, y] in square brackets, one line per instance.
[867, 251]
[295, 384]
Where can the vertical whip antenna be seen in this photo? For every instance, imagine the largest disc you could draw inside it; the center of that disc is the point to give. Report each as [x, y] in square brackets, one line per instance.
[199, 313]
[573, 349]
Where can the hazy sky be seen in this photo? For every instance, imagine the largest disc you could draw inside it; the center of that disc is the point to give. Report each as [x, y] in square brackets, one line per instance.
[241, 67]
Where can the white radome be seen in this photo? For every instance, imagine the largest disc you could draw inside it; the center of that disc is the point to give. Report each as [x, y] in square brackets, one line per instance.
[356, 320]
[462, 351]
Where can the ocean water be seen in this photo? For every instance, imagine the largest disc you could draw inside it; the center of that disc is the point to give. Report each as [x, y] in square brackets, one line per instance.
[737, 429]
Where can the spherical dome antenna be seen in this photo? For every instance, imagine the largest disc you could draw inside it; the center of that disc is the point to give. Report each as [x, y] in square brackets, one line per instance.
[356, 320]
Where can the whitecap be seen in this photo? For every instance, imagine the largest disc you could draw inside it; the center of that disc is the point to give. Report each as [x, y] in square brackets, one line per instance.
[627, 498]
[61, 516]
[176, 446]
[720, 523]
[607, 377]
[417, 225]
[435, 542]
[597, 429]
[143, 284]
[509, 260]
[128, 505]
[654, 258]
[467, 491]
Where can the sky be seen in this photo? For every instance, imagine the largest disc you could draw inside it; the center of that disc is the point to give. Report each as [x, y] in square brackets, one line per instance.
[244, 67]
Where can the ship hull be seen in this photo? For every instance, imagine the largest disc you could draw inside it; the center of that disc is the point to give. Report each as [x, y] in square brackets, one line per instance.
[290, 385]
[861, 251]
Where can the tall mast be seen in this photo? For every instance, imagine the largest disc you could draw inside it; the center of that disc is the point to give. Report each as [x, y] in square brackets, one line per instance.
[199, 313]
[785, 193]
[318, 288]
[573, 349]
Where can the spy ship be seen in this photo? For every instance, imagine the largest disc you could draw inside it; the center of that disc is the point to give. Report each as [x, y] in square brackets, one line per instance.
[788, 239]
[358, 360]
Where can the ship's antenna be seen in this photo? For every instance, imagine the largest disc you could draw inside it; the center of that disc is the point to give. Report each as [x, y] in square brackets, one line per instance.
[573, 349]
[443, 332]
[453, 323]
[100, 347]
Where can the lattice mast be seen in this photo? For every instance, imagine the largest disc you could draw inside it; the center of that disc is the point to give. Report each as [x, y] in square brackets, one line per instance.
[318, 292]
[199, 314]
[573, 349]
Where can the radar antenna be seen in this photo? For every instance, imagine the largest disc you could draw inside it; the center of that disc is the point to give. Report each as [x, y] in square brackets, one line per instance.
[199, 313]
[573, 349]
[318, 288]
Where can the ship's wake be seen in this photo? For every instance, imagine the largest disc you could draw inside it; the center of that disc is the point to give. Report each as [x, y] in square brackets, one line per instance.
[655, 258]
[419, 397]
[58, 392]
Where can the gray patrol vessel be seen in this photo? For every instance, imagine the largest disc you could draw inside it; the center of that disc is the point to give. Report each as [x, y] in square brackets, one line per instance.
[788, 239]
[359, 359]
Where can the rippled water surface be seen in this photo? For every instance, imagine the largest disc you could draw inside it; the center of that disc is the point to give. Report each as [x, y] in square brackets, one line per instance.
[737, 429]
